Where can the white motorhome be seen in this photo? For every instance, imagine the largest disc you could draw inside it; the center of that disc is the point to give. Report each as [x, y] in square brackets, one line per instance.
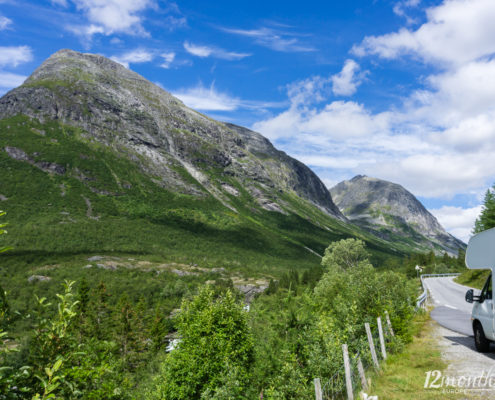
[480, 254]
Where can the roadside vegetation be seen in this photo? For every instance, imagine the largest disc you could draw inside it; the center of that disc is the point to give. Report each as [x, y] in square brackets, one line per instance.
[475, 278]
[108, 269]
[402, 376]
[97, 340]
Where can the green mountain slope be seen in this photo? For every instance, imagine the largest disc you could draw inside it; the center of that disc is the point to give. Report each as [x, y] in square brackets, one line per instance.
[96, 159]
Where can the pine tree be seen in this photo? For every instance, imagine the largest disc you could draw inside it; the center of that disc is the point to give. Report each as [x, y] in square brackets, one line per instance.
[160, 326]
[486, 219]
[125, 319]
[99, 312]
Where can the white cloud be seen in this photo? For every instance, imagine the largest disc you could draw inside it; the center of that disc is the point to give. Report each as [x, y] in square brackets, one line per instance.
[308, 91]
[457, 31]
[343, 120]
[274, 39]
[4, 22]
[86, 31]
[168, 58]
[14, 55]
[336, 120]
[201, 98]
[438, 142]
[437, 175]
[133, 57]
[345, 83]
[8, 80]
[112, 16]
[457, 220]
[210, 99]
[198, 51]
[208, 51]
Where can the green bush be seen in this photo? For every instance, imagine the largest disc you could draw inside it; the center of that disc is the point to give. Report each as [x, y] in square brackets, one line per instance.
[215, 350]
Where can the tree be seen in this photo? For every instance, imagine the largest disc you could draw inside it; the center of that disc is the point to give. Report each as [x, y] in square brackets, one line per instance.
[215, 342]
[99, 311]
[345, 254]
[486, 219]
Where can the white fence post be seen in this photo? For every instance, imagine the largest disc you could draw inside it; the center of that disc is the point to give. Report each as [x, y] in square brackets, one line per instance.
[389, 323]
[364, 382]
[382, 340]
[318, 392]
[372, 345]
[347, 368]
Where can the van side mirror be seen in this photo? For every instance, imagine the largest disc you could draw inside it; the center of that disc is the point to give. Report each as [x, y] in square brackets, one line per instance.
[469, 295]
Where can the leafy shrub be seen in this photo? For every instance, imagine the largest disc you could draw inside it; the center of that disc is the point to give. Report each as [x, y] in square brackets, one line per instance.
[215, 344]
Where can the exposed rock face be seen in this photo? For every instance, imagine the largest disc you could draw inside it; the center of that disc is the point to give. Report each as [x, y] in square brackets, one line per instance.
[386, 208]
[117, 107]
[18, 154]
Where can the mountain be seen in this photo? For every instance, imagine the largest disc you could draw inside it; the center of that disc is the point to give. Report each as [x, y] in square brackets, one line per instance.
[388, 210]
[96, 158]
[121, 109]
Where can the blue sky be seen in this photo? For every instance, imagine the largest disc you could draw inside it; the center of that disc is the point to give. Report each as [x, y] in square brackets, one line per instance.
[401, 90]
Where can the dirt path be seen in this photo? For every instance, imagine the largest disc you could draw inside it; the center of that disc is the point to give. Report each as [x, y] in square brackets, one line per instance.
[469, 374]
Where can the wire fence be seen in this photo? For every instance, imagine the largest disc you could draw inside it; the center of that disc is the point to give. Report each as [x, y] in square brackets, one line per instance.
[359, 364]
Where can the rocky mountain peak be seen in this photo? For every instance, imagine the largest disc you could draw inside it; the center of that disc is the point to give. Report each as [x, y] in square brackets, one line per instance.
[387, 209]
[183, 150]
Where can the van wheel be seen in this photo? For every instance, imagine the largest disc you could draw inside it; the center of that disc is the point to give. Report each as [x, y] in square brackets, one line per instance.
[481, 343]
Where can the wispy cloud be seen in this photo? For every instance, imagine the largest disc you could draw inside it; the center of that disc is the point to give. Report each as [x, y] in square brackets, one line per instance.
[134, 57]
[14, 55]
[210, 99]
[211, 51]
[274, 39]
[401, 9]
[203, 98]
[9, 80]
[176, 18]
[168, 58]
[5, 22]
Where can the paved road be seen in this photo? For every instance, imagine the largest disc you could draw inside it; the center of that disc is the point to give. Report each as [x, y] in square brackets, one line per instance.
[450, 308]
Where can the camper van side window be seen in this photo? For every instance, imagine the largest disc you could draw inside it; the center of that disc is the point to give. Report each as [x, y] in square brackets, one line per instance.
[486, 294]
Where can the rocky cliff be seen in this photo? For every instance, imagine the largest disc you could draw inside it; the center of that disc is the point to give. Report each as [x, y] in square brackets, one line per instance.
[388, 210]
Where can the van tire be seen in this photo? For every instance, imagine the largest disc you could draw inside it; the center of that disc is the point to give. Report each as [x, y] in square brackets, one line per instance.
[481, 343]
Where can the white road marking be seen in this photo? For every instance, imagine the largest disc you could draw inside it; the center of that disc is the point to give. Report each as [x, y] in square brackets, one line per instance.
[449, 306]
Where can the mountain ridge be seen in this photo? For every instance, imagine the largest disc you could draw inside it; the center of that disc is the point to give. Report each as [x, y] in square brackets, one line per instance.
[112, 162]
[385, 208]
[118, 107]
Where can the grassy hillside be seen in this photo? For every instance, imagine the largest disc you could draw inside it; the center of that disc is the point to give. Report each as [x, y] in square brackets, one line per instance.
[104, 203]
[136, 250]
[475, 278]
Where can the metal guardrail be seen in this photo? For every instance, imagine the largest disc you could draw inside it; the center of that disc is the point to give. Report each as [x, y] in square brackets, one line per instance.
[421, 300]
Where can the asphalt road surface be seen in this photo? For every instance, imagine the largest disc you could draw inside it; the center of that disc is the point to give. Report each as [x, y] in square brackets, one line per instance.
[450, 308]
